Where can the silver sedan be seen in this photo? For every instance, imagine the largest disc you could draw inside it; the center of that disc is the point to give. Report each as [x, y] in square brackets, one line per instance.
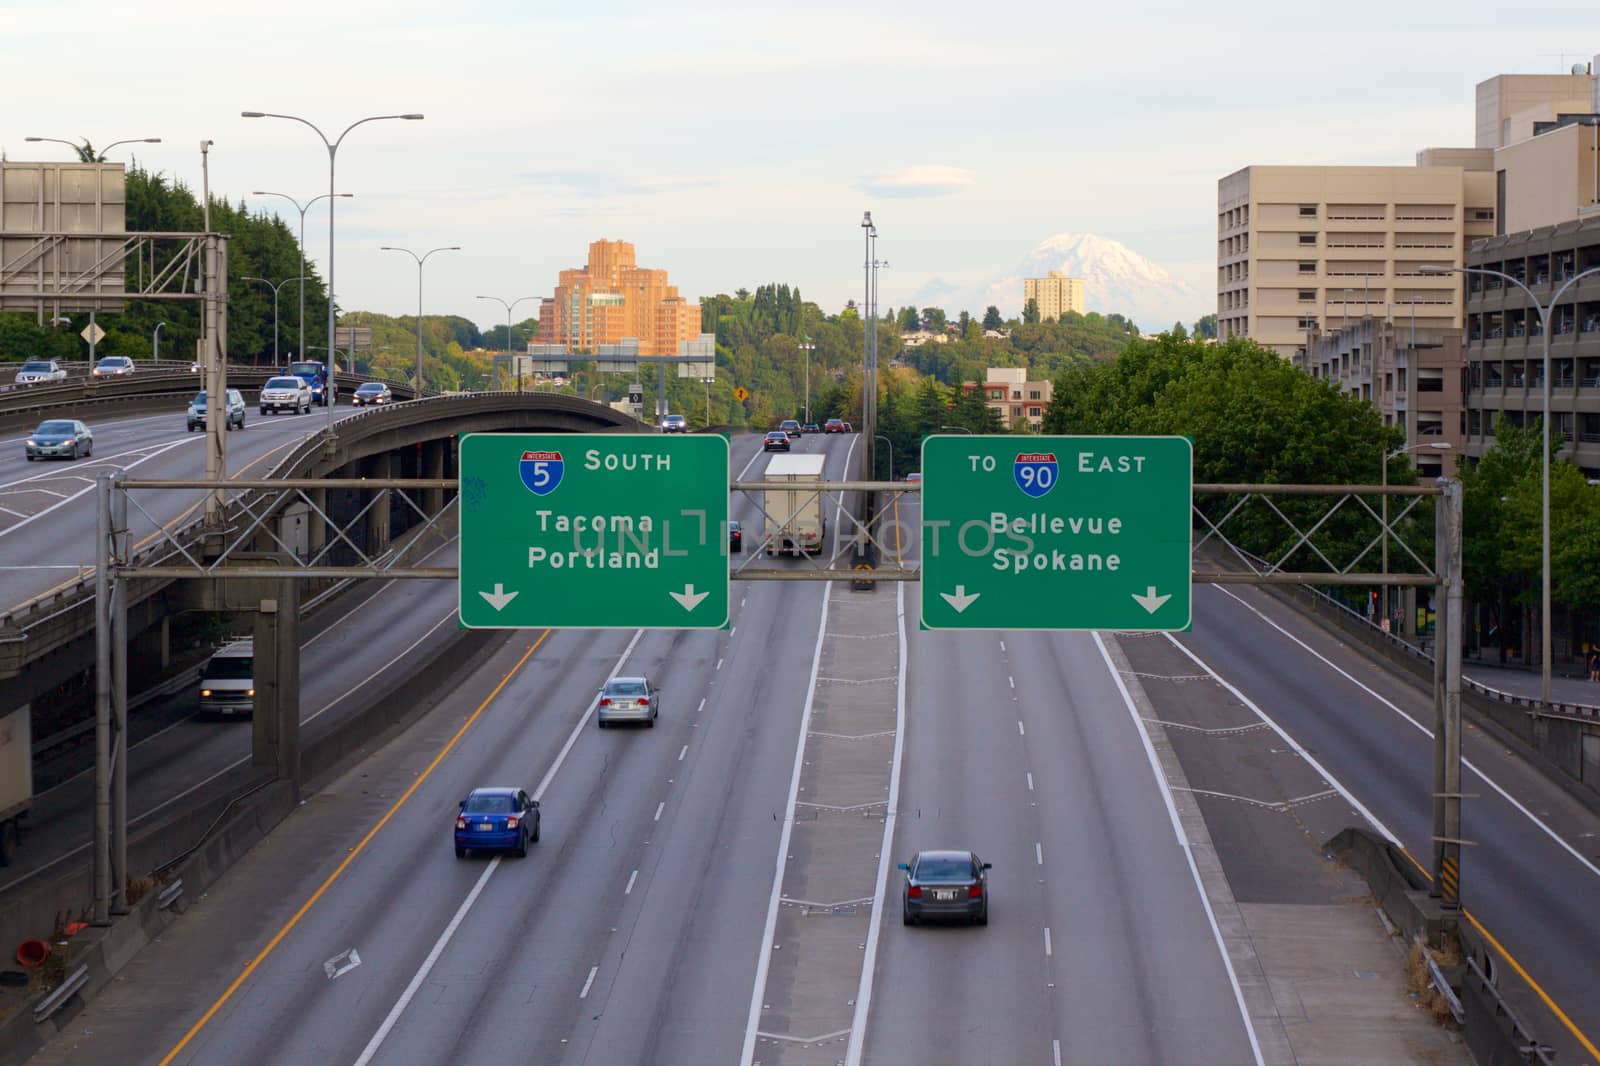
[945, 884]
[628, 699]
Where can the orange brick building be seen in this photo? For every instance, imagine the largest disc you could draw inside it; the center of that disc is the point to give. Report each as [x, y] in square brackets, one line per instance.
[612, 298]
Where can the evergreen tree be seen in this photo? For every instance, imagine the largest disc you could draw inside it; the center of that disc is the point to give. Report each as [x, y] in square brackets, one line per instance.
[991, 317]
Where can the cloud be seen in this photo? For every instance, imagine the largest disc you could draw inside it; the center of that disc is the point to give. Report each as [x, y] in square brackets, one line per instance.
[919, 181]
[933, 291]
[594, 184]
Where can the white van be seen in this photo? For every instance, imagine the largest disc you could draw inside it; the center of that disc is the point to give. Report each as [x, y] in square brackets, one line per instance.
[228, 682]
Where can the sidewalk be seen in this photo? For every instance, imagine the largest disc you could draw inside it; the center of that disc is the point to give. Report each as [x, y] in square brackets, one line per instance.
[1522, 682]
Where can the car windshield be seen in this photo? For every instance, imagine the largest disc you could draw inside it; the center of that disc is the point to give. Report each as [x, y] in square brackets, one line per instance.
[733, 525]
[305, 368]
[944, 869]
[774, 434]
[35, 366]
[370, 387]
[53, 428]
[490, 805]
[284, 383]
[231, 668]
[110, 360]
[200, 397]
[626, 688]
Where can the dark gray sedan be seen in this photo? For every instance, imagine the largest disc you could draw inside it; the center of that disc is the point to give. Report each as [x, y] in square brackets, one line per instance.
[945, 884]
[64, 438]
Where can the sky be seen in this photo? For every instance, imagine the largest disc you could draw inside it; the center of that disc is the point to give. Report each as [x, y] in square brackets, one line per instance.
[739, 144]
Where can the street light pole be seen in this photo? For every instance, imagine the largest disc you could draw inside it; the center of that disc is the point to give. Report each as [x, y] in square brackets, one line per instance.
[1544, 501]
[155, 343]
[277, 361]
[303, 209]
[890, 445]
[808, 348]
[423, 258]
[508, 307]
[333, 152]
[1437, 445]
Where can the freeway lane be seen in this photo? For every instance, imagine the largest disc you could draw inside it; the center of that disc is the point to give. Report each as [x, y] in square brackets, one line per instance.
[48, 522]
[628, 935]
[1019, 747]
[1536, 891]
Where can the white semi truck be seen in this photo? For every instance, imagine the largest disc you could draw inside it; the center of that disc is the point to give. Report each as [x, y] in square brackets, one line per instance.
[796, 519]
[16, 778]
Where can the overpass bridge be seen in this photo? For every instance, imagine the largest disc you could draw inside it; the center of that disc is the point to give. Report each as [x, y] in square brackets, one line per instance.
[46, 637]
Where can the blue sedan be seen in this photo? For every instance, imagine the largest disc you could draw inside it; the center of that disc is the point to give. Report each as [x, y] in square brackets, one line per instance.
[497, 819]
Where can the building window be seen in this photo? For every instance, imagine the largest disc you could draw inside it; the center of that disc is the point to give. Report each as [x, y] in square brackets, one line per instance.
[1308, 322]
[1308, 210]
[1033, 394]
[1308, 238]
[1308, 268]
[1308, 296]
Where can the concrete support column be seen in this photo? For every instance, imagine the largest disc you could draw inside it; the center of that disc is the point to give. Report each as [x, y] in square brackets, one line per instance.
[153, 648]
[276, 720]
[316, 529]
[433, 453]
[378, 515]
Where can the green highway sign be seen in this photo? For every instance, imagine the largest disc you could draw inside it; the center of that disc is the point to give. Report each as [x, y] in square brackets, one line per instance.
[593, 531]
[1056, 532]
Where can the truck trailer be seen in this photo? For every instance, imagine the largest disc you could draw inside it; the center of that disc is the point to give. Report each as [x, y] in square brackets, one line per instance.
[16, 777]
[796, 519]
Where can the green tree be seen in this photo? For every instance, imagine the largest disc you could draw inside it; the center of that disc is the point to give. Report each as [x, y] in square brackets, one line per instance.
[991, 317]
[1206, 327]
[908, 319]
[1179, 332]
[933, 319]
[1030, 312]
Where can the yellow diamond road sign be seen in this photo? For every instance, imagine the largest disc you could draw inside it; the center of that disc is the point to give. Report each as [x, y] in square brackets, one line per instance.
[741, 394]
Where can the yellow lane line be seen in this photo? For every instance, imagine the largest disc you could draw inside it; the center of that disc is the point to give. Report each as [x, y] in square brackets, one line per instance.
[1572, 1027]
[288, 926]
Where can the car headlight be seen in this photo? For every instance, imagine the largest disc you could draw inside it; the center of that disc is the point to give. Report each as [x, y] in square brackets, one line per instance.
[32, 443]
[250, 692]
[204, 693]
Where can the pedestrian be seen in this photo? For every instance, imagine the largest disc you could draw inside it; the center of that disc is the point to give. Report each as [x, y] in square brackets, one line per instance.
[1594, 662]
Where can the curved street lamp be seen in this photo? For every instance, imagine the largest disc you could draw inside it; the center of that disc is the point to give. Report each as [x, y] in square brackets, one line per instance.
[508, 307]
[86, 152]
[333, 152]
[1544, 501]
[302, 209]
[276, 361]
[421, 259]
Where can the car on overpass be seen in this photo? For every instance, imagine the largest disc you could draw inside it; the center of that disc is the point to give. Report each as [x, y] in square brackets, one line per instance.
[59, 438]
[735, 536]
[372, 393]
[285, 393]
[790, 426]
[628, 699]
[945, 884]
[113, 366]
[812, 427]
[497, 819]
[234, 411]
[674, 424]
[315, 374]
[39, 372]
[833, 425]
[776, 441]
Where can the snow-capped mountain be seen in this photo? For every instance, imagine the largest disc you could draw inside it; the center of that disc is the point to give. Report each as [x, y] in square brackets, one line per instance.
[1116, 279]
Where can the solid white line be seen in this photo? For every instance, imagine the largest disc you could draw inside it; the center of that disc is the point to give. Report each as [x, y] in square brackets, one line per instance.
[1551, 833]
[764, 958]
[586, 984]
[1038, 853]
[363, 604]
[1030, 781]
[164, 449]
[438, 948]
[659, 808]
[1183, 842]
[684, 752]
[427, 966]
[1047, 942]
[858, 1023]
[1055, 1051]
[631, 879]
[1021, 732]
[1371, 818]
